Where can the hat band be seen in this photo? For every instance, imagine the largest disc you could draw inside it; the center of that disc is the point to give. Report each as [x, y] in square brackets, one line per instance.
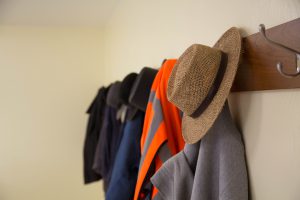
[214, 88]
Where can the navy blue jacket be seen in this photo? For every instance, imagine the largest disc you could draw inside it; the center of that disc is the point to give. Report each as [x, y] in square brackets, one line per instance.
[125, 169]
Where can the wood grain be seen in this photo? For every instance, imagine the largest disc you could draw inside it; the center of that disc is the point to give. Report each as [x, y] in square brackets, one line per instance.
[258, 67]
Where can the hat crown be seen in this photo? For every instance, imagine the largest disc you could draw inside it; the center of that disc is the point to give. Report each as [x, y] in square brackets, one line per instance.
[192, 77]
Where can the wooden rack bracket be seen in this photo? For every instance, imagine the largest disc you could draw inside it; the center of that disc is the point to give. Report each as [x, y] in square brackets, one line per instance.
[258, 67]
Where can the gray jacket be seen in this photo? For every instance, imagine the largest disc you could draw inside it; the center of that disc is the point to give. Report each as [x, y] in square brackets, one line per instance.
[212, 169]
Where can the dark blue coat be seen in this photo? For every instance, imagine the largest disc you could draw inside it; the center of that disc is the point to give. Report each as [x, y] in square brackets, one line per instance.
[125, 169]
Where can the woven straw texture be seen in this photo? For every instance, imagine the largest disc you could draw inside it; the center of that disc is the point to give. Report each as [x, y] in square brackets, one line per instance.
[192, 77]
[193, 129]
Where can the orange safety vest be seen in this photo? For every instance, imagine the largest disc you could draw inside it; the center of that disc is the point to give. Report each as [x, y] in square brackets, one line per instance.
[161, 137]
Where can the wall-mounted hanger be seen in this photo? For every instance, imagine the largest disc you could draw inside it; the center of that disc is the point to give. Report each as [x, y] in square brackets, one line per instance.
[270, 65]
[262, 30]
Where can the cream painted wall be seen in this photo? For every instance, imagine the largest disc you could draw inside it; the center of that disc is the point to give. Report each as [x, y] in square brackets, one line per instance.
[48, 76]
[144, 32]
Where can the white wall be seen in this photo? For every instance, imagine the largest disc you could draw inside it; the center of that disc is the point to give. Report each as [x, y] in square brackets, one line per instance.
[144, 32]
[48, 76]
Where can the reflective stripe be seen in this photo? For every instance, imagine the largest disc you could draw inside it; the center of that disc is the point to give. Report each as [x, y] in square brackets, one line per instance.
[156, 121]
[151, 96]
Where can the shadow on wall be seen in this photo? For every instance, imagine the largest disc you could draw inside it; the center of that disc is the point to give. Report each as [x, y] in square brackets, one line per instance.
[240, 107]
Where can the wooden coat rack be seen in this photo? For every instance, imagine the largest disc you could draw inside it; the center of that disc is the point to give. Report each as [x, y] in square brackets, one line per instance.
[258, 69]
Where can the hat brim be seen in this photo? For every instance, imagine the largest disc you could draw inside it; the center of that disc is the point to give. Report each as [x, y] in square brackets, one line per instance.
[194, 128]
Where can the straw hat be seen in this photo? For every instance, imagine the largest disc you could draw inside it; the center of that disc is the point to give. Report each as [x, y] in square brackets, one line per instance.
[200, 83]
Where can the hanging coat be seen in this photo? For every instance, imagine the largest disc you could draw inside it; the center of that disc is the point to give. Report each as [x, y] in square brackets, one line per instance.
[107, 147]
[212, 169]
[96, 113]
[125, 169]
